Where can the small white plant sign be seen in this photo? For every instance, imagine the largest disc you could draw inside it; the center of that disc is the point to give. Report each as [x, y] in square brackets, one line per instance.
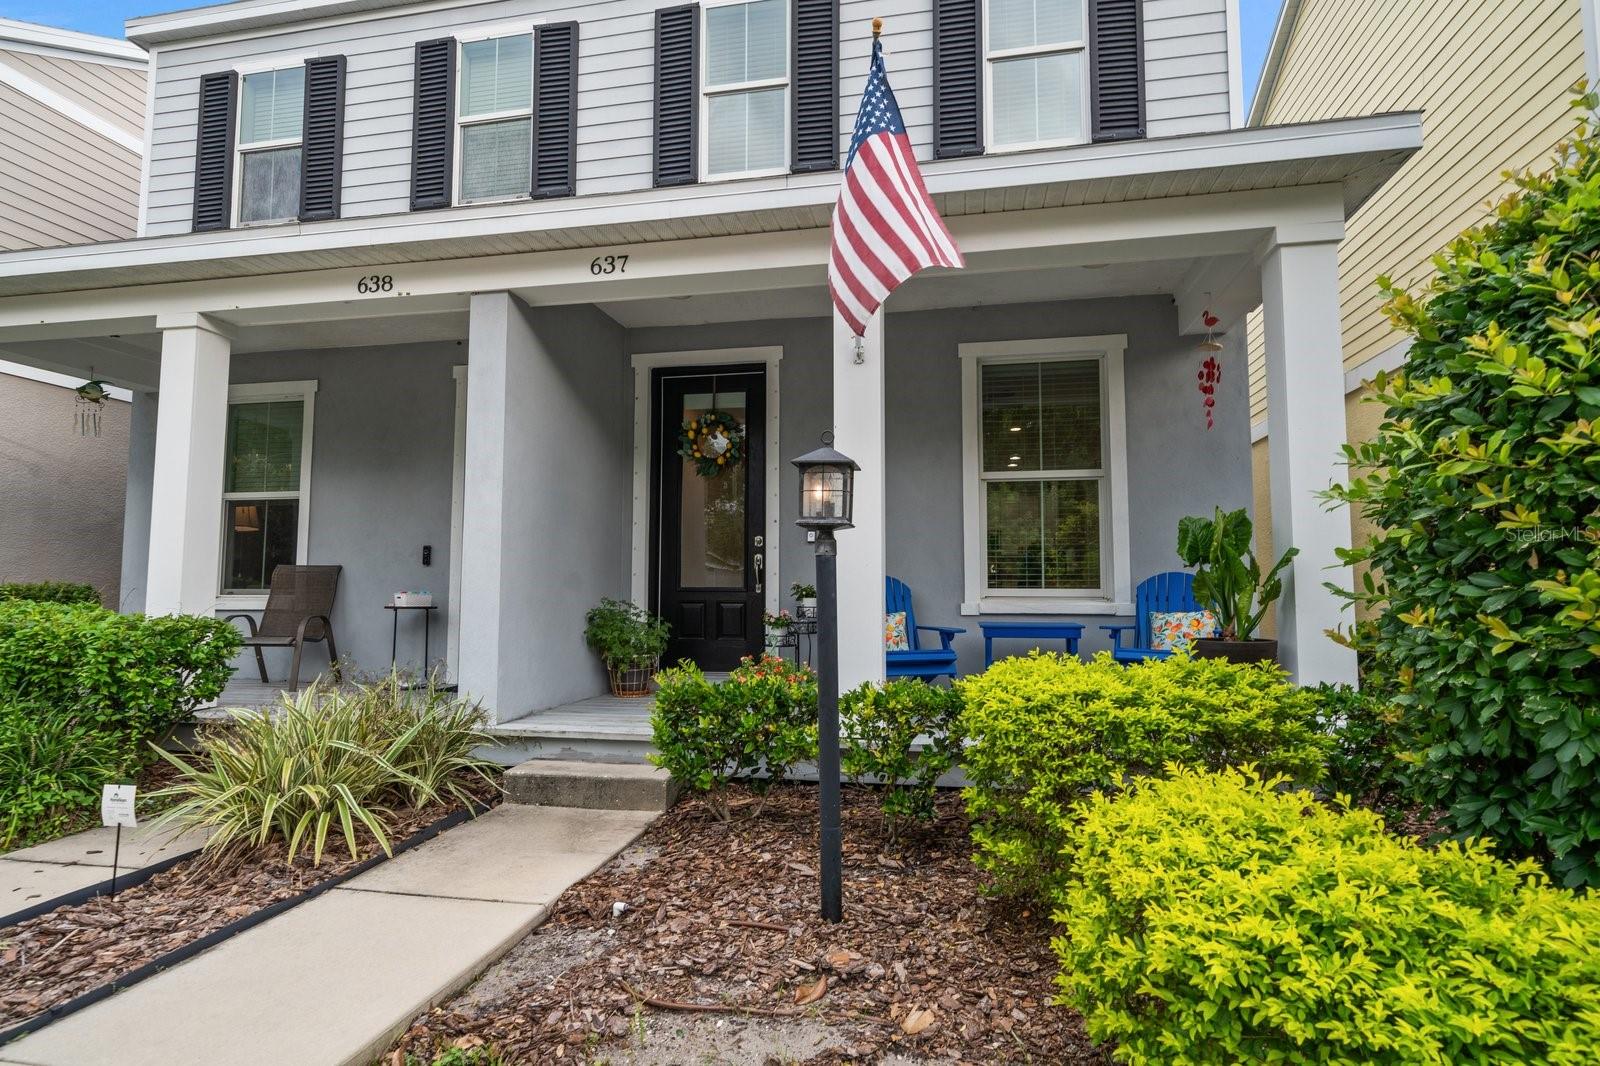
[116, 806]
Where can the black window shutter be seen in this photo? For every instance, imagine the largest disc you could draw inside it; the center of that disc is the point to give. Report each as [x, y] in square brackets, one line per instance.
[433, 135]
[816, 85]
[957, 78]
[213, 151]
[677, 33]
[555, 109]
[322, 151]
[1116, 69]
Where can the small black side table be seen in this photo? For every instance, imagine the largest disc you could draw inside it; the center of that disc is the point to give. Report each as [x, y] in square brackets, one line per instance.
[394, 639]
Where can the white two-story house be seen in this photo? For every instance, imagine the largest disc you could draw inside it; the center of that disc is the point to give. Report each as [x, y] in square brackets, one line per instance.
[429, 288]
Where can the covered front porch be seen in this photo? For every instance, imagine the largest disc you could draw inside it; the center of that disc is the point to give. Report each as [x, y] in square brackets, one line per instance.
[500, 429]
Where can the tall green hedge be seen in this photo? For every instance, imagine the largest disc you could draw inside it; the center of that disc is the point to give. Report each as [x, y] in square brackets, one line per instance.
[126, 674]
[1484, 480]
[49, 592]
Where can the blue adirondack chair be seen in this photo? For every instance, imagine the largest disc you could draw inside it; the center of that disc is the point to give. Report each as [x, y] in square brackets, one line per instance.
[1171, 591]
[926, 663]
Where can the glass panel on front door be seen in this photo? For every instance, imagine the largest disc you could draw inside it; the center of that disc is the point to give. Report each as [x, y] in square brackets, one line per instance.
[712, 511]
[707, 522]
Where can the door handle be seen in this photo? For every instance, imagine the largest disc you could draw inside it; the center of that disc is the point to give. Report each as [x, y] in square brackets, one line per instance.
[761, 572]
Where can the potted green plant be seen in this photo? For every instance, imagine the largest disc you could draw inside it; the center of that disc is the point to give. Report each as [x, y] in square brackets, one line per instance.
[630, 641]
[1229, 583]
[805, 596]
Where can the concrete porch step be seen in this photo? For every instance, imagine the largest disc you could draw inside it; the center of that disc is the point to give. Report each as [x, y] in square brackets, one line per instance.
[591, 785]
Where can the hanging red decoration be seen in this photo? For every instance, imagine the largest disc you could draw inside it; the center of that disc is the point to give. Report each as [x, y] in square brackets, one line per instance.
[1210, 375]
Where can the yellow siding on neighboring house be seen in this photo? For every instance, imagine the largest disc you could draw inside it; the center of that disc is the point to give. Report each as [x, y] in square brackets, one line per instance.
[1492, 79]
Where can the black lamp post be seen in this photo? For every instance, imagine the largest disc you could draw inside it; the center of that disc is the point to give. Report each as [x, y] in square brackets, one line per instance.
[827, 493]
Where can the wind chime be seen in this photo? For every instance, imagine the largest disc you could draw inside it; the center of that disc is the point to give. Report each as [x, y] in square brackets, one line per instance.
[91, 396]
[1210, 370]
[713, 441]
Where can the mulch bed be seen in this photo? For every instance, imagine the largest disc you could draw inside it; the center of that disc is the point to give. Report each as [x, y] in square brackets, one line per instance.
[723, 918]
[57, 956]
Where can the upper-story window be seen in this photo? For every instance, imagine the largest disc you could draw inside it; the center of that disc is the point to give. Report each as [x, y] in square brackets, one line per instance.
[495, 118]
[271, 110]
[746, 104]
[1037, 70]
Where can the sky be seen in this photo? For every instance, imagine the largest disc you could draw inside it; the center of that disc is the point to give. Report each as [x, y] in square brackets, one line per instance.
[1256, 18]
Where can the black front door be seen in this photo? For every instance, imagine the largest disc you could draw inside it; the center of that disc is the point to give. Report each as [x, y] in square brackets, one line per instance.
[708, 519]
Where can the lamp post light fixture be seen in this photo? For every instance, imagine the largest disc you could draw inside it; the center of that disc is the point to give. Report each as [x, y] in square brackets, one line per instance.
[827, 494]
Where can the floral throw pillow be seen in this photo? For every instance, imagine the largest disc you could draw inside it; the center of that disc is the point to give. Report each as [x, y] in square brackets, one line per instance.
[1171, 630]
[895, 637]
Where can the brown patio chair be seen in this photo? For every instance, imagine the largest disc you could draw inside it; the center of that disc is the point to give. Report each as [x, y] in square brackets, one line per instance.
[299, 606]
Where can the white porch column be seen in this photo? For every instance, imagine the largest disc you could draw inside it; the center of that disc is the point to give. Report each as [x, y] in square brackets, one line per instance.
[858, 392]
[1305, 390]
[186, 485]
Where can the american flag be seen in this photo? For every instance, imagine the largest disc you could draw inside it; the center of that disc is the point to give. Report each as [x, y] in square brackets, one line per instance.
[885, 227]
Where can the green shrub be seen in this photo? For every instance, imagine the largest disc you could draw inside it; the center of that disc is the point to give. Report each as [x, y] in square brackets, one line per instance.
[1048, 730]
[133, 676]
[329, 760]
[707, 733]
[878, 726]
[52, 766]
[1216, 918]
[1482, 483]
[1364, 762]
[50, 592]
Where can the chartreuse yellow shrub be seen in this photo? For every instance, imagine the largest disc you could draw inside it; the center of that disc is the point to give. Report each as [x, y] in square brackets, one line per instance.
[1222, 918]
[1047, 731]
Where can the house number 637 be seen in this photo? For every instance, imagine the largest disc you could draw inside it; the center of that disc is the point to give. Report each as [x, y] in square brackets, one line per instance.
[376, 283]
[608, 264]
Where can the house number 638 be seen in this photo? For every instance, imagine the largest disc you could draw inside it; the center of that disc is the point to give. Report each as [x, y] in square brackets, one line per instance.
[376, 283]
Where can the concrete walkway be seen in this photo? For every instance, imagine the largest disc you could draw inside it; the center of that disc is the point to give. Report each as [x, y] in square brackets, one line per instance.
[30, 876]
[333, 981]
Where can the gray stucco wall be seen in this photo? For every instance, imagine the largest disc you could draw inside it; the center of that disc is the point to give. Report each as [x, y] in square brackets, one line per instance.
[1175, 465]
[61, 493]
[380, 488]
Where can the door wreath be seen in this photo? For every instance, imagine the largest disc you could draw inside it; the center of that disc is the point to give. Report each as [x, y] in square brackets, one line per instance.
[713, 442]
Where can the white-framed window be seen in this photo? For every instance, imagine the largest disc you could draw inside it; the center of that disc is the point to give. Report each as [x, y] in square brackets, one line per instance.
[1036, 72]
[744, 103]
[1045, 476]
[266, 483]
[268, 145]
[494, 118]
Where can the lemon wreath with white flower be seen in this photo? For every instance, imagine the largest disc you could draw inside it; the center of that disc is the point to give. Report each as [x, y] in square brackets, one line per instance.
[713, 442]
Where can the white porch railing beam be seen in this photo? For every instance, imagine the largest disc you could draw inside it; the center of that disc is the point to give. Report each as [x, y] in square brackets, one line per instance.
[1305, 387]
[858, 417]
[186, 485]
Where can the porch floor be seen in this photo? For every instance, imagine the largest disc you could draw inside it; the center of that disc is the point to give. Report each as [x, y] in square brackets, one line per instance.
[598, 729]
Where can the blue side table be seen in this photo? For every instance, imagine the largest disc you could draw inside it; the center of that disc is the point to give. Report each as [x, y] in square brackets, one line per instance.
[1043, 629]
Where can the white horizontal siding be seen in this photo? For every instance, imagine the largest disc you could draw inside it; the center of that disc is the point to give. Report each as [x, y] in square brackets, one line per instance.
[1186, 83]
[1186, 86]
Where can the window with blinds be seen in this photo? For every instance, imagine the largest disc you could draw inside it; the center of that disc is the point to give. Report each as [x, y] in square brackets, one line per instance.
[1042, 474]
[262, 491]
[271, 113]
[495, 113]
[746, 116]
[1037, 72]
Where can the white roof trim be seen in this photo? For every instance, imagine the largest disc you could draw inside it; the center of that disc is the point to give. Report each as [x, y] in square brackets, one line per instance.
[1372, 141]
[70, 44]
[50, 377]
[1281, 32]
[73, 110]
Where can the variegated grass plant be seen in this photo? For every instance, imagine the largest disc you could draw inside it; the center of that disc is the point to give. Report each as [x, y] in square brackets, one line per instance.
[329, 760]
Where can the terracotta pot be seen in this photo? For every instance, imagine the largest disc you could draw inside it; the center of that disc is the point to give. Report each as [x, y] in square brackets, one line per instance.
[1236, 651]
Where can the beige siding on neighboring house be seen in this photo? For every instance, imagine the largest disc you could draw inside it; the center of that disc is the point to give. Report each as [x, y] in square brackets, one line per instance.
[114, 93]
[64, 183]
[1492, 78]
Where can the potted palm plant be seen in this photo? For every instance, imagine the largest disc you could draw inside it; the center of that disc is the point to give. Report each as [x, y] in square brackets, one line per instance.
[630, 641]
[1229, 583]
